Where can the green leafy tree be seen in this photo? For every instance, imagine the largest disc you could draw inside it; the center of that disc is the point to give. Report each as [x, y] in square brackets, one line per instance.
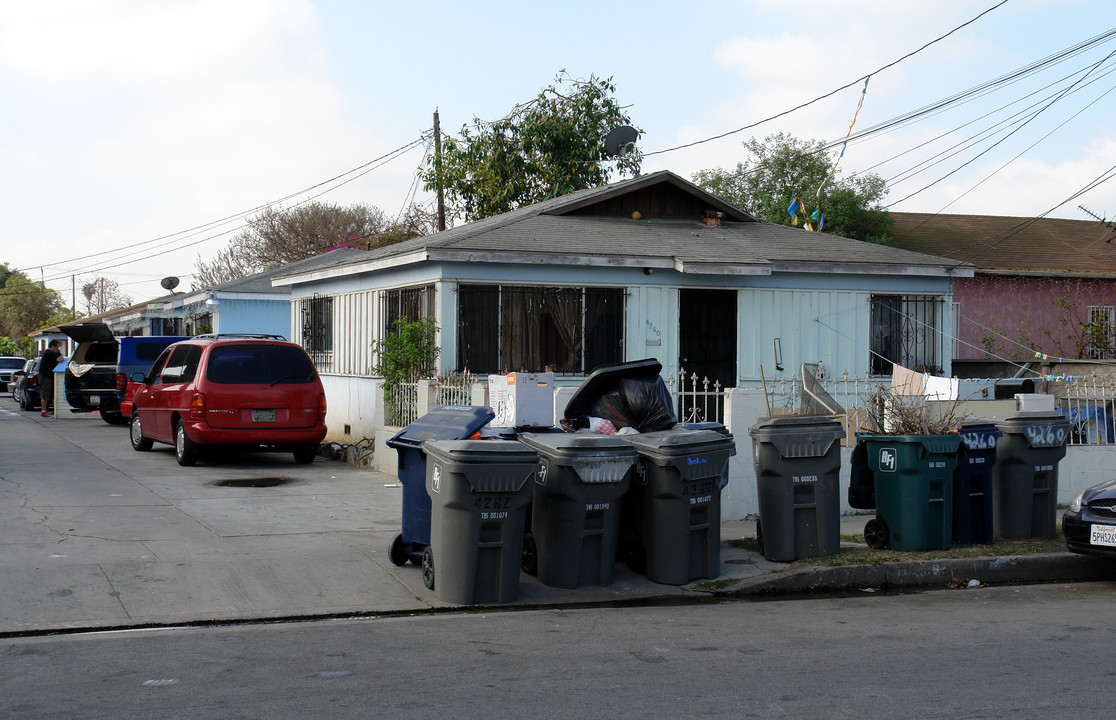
[544, 148]
[782, 168]
[25, 305]
[9, 347]
[409, 353]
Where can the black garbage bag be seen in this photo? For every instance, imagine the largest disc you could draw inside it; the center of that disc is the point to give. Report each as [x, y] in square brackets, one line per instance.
[643, 404]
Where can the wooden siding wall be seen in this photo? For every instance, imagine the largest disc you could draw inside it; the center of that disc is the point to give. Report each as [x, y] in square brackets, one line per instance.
[354, 329]
[831, 326]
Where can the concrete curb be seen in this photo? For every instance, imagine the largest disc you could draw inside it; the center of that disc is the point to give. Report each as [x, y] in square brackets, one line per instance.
[1008, 569]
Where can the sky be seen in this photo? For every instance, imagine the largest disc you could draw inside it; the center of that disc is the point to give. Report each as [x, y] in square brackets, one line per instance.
[136, 136]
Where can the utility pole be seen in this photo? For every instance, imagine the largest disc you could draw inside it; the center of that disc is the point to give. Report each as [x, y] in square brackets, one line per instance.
[438, 171]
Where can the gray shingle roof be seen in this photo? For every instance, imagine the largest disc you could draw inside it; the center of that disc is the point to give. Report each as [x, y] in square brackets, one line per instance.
[559, 232]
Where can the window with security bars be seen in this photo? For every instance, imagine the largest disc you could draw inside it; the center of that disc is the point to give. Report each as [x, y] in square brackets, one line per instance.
[907, 330]
[513, 328]
[316, 315]
[1100, 333]
[412, 304]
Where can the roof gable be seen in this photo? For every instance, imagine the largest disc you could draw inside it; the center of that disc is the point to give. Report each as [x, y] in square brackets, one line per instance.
[662, 195]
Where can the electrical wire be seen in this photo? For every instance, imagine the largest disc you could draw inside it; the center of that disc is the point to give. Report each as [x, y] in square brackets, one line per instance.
[120, 260]
[808, 103]
[362, 170]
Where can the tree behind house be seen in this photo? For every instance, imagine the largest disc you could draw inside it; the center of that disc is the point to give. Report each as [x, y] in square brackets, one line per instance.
[782, 168]
[544, 148]
[278, 237]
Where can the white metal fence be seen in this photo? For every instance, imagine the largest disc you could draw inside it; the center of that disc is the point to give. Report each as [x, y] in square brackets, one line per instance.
[1088, 401]
[697, 399]
[402, 406]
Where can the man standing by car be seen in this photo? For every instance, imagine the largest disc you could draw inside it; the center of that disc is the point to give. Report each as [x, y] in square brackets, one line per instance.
[50, 358]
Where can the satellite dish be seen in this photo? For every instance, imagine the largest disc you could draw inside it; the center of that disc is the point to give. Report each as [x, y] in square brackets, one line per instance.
[169, 283]
[621, 141]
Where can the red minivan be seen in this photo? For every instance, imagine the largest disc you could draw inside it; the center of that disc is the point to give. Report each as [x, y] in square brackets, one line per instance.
[230, 391]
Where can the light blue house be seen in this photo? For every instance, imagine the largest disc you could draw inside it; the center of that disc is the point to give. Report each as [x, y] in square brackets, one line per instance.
[251, 305]
[648, 267]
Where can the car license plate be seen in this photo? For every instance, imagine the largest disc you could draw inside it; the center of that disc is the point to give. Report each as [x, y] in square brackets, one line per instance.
[269, 416]
[1103, 535]
[94, 399]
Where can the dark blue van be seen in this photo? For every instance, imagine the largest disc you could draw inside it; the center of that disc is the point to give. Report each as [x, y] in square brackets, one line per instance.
[98, 371]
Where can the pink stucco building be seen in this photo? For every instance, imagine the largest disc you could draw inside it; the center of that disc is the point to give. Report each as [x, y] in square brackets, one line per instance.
[1044, 285]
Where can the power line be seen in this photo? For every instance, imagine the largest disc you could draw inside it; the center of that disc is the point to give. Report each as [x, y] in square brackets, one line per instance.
[362, 170]
[859, 80]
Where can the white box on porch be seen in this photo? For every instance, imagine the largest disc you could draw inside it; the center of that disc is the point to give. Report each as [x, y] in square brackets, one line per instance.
[522, 399]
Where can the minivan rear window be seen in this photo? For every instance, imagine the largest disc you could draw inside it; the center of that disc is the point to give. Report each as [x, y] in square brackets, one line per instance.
[12, 363]
[268, 364]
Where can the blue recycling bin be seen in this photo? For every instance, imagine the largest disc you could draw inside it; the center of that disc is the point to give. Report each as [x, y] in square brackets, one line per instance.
[449, 422]
[972, 483]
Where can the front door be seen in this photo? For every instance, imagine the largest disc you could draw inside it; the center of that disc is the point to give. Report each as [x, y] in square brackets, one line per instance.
[707, 335]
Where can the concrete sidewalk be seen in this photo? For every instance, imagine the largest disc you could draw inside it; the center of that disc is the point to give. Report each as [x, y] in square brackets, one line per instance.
[94, 535]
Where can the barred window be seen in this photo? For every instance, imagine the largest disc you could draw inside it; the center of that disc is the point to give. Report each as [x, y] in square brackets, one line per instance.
[1099, 333]
[906, 329]
[317, 327]
[529, 329]
[413, 304]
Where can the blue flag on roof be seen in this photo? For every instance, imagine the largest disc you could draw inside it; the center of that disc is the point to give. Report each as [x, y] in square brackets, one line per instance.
[793, 207]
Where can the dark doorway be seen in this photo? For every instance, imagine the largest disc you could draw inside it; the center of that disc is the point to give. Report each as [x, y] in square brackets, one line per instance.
[707, 335]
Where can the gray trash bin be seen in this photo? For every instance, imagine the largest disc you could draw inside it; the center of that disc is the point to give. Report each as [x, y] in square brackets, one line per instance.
[575, 511]
[1025, 478]
[479, 491]
[798, 469]
[676, 499]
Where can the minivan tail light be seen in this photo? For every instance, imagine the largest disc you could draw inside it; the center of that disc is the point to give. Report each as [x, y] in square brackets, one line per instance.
[197, 406]
[321, 405]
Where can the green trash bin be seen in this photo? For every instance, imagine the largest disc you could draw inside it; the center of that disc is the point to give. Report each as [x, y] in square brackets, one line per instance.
[676, 501]
[479, 491]
[798, 474]
[575, 509]
[1025, 478]
[914, 490]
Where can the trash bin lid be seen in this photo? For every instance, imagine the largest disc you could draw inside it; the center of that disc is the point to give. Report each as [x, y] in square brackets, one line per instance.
[594, 458]
[944, 444]
[1042, 429]
[680, 442]
[798, 436]
[486, 463]
[449, 422]
[604, 377]
[979, 434]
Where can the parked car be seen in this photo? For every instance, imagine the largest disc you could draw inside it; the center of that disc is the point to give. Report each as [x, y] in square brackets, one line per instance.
[25, 385]
[234, 392]
[9, 364]
[1090, 522]
[96, 376]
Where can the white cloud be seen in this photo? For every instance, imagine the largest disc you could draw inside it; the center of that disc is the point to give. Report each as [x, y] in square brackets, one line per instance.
[136, 42]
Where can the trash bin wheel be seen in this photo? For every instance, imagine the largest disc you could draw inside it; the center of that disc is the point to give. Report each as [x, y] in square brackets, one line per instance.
[529, 563]
[759, 535]
[876, 534]
[428, 567]
[396, 552]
